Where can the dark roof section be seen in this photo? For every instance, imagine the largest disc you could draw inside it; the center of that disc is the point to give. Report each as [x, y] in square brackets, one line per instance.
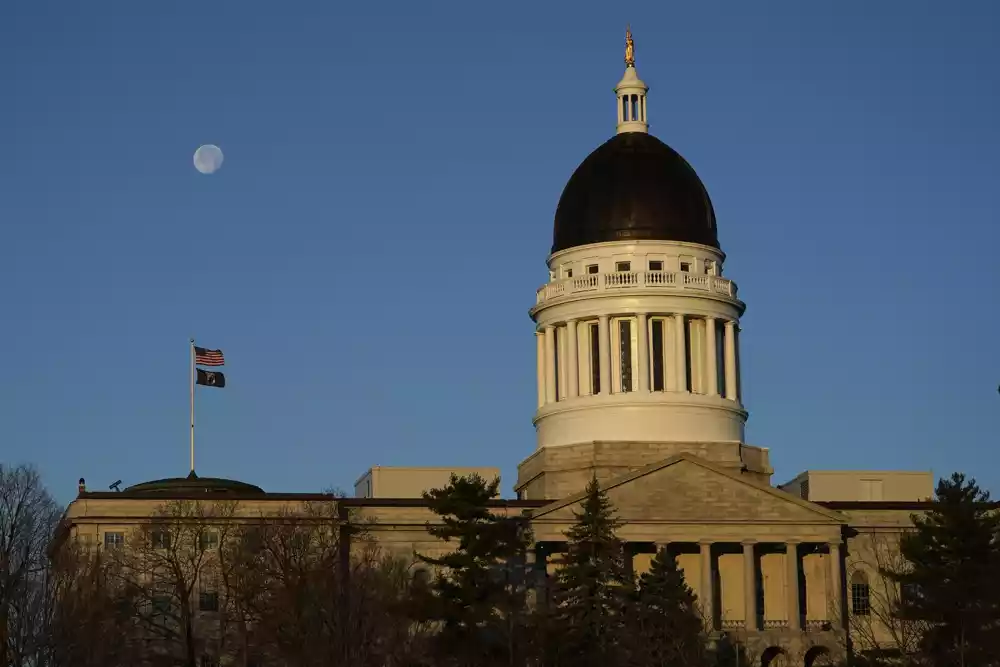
[192, 484]
[634, 187]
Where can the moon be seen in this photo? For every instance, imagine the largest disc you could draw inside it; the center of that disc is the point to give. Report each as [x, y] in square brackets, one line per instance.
[208, 159]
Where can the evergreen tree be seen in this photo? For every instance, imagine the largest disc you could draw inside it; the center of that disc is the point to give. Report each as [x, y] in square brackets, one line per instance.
[477, 599]
[664, 621]
[951, 583]
[592, 588]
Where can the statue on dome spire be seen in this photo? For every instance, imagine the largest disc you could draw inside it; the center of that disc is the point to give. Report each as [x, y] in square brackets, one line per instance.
[629, 48]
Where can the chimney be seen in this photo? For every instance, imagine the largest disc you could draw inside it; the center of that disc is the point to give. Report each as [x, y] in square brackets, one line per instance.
[83, 485]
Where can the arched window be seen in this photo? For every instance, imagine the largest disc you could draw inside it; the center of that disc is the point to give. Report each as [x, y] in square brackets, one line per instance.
[860, 595]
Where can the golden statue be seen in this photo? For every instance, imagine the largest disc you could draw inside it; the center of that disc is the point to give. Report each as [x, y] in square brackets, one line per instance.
[629, 48]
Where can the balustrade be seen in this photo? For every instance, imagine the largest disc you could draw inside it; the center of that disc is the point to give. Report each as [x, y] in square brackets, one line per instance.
[620, 280]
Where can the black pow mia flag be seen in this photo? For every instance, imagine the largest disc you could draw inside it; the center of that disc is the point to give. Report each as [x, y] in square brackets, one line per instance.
[211, 379]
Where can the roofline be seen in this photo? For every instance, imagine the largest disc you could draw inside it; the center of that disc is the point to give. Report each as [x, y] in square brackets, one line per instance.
[913, 505]
[301, 497]
[368, 472]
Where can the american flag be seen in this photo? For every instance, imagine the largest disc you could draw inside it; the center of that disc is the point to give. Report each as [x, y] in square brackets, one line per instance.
[203, 357]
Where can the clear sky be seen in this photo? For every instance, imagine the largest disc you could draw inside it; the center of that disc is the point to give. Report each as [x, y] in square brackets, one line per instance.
[367, 255]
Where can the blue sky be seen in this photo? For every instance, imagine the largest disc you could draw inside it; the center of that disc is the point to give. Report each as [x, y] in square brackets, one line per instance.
[368, 253]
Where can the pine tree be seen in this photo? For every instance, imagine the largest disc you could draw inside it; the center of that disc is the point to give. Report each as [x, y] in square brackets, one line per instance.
[592, 587]
[951, 583]
[664, 621]
[478, 596]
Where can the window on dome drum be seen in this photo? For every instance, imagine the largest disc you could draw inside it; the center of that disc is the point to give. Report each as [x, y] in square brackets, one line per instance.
[686, 267]
[692, 346]
[595, 358]
[655, 265]
[114, 539]
[860, 595]
[623, 266]
[625, 344]
[656, 339]
[592, 269]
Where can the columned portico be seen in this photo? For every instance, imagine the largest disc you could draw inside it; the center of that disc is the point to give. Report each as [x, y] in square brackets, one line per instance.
[730, 596]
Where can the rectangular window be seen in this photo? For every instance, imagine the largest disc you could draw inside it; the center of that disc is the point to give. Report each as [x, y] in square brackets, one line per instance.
[569, 273]
[595, 358]
[115, 539]
[655, 265]
[208, 601]
[160, 604]
[209, 539]
[656, 338]
[871, 489]
[623, 266]
[860, 599]
[161, 539]
[686, 267]
[625, 354]
[592, 269]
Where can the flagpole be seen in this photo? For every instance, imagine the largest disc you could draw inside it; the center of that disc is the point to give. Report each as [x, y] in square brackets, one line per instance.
[192, 405]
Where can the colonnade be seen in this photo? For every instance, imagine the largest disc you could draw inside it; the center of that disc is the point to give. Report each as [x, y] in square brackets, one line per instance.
[672, 368]
[709, 579]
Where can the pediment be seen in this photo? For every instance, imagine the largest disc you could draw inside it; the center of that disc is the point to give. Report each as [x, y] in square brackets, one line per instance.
[685, 488]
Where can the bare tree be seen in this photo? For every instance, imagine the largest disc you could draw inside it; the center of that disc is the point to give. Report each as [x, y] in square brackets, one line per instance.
[88, 626]
[167, 571]
[300, 610]
[877, 630]
[28, 516]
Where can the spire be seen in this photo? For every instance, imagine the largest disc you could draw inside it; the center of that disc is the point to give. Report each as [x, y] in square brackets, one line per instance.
[631, 93]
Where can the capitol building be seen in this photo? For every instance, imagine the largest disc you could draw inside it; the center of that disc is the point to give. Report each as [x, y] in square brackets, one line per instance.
[639, 383]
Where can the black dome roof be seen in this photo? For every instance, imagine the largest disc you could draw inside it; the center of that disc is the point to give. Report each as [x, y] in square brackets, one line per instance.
[193, 484]
[634, 187]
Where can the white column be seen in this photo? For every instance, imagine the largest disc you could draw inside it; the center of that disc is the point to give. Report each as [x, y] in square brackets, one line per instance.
[730, 343]
[572, 365]
[643, 345]
[706, 595]
[792, 586]
[711, 359]
[835, 594]
[750, 586]
[540, 348]
[604, 343]
[550, 364]
[680, 356]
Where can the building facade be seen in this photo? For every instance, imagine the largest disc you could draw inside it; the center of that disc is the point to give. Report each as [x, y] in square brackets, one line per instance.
[638, 383]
